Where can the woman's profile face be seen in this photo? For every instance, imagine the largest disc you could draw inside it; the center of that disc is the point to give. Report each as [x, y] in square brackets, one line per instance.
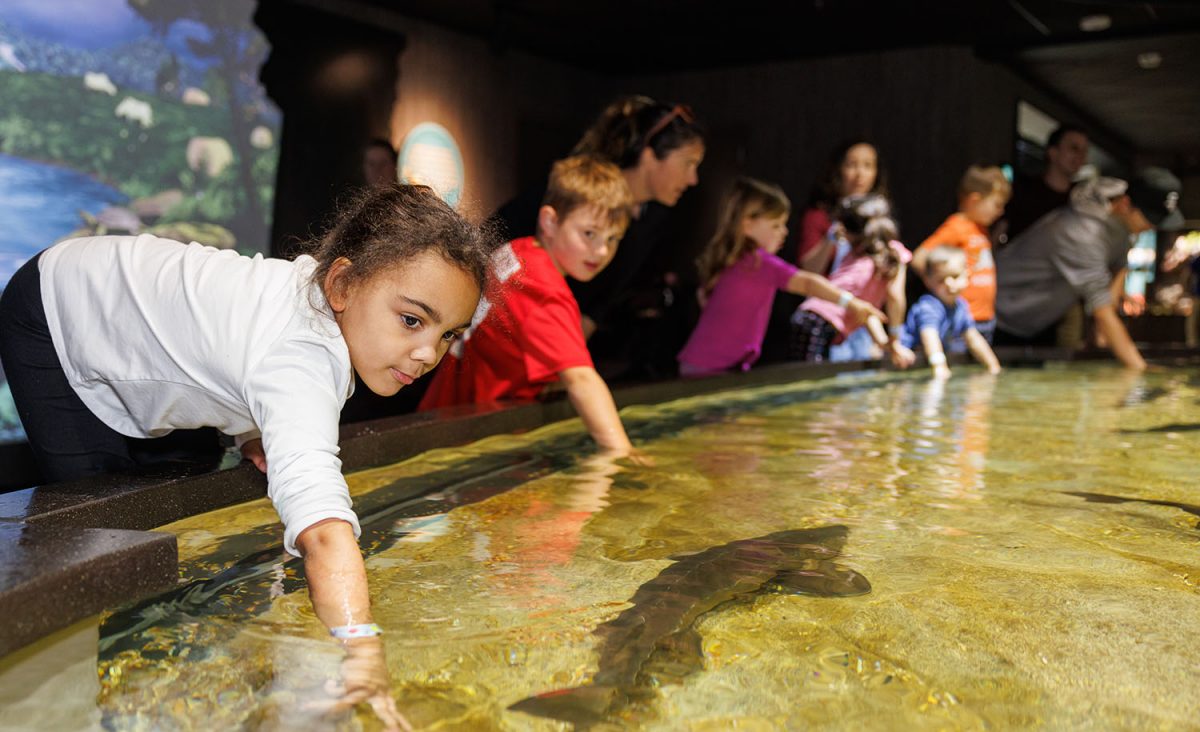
[859, 168]
[678, 171]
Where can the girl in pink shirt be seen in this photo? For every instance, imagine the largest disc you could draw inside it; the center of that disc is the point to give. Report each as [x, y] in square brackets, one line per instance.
[740, 274]
[874, 271]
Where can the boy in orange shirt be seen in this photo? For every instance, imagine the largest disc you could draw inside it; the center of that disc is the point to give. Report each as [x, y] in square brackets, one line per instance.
[982, 194]
[527, 334]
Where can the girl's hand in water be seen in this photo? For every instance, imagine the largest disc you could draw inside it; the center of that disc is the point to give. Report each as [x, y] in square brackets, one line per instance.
[252, 450]
[365, 679]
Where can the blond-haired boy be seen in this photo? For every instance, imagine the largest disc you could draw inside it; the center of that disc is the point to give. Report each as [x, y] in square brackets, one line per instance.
[982, 195]
[527, 333]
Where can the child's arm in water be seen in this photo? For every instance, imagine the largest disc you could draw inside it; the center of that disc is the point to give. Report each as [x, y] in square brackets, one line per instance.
[594, 404]
[298, 420]
[932, 343]
[983, 353]
[337, 584]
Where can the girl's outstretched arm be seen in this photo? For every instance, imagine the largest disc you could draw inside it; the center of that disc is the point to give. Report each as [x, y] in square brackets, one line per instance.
[337, 584]
[814, 285]
[337, 579]
[594, 404]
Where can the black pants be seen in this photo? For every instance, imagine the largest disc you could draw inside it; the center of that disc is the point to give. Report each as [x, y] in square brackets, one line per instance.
[69, 441]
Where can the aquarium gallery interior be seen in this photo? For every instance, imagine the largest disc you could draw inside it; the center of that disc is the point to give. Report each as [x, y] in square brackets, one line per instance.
[790, 538]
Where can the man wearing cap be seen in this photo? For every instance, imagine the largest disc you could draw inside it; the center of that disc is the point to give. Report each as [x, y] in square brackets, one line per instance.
[1078, 252]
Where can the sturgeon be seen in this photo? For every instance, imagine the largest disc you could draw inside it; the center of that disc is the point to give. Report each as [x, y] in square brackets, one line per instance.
[659, 626]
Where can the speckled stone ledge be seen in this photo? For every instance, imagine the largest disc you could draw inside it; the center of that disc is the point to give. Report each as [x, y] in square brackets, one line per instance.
[52, 577]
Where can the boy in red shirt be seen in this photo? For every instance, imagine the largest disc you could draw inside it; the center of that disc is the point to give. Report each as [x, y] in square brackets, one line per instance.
[528, 333]
[982, 195]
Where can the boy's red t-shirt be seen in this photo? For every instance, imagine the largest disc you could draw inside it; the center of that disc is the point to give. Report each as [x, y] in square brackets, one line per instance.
[963, 233]
[519, 343]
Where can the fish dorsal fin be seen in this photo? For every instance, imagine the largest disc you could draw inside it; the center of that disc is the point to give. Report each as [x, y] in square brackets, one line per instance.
[820, 578]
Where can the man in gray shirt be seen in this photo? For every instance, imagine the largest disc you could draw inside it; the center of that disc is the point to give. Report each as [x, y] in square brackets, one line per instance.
[1078, 252]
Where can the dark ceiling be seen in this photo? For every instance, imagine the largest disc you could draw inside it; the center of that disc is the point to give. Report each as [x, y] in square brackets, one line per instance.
[1043, 39]
[642, 36]
[1156, 109]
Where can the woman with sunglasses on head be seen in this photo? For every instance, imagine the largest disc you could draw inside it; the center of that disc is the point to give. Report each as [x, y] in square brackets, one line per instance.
[658, 146]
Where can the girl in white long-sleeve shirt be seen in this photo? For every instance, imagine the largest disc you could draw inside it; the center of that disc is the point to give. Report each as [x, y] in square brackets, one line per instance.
[104, 338]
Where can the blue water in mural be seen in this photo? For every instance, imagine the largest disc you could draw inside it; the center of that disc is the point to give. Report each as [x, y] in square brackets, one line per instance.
[40, 204]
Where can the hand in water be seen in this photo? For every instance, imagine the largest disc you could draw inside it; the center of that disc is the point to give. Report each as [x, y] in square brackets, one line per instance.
[634, 455]
[365, 679]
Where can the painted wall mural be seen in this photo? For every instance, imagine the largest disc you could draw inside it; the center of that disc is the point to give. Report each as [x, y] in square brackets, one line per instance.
[132, 116]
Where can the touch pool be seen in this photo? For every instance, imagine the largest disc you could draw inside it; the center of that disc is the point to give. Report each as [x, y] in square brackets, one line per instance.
[1005, 552]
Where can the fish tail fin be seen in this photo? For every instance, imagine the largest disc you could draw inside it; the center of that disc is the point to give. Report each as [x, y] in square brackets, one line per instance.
[582, 705]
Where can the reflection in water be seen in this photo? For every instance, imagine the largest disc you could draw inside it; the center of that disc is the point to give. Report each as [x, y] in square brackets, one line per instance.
[1141, 394]
[996, 600]
[664, 610]
[956, 426]
[522, 548]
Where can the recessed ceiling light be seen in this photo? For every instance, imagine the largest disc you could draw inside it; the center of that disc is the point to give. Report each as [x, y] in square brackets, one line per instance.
[1094, 23]
[1149, 60]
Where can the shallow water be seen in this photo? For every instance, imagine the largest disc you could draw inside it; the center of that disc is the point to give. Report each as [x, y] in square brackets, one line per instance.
[999, 598]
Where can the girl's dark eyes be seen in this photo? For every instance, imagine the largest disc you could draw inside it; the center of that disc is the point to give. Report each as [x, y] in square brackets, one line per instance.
[411, 321]
[449, 336]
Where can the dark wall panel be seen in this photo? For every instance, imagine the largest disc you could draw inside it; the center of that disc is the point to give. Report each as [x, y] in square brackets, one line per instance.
[931, 111]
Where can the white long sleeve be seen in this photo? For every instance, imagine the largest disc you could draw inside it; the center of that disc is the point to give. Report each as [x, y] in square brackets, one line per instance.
[155, 335]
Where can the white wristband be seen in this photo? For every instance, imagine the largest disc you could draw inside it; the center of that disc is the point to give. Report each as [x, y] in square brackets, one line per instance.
[363, 630]
[845, 298]
[937, 359]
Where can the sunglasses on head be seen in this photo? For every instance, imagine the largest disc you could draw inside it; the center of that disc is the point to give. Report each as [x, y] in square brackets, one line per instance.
[682, 111]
